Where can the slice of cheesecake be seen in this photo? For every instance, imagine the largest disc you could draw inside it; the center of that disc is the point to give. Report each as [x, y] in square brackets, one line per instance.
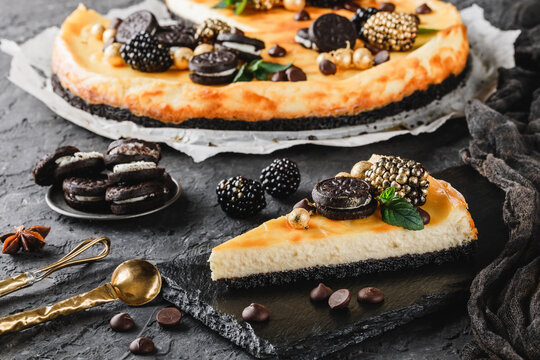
[275, 252]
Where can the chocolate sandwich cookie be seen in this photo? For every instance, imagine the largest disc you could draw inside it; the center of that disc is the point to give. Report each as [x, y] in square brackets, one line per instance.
[135, 172]
[86, 194]
[302, 38]
[246, 48]
[344, 198]
[79, 164]
[169, 187]
[140, 21]
[177, 35]
[136, 198]
[213, 68]
[331, 32]
[129, 150]
[43, 172]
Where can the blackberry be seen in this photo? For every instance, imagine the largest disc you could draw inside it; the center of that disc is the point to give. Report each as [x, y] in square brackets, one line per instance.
[326, 3]
[240, 197]
[144, 53]
[281, 178]
[361, 16]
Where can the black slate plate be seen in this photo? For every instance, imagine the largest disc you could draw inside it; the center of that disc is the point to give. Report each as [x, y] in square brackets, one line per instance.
[301, 329]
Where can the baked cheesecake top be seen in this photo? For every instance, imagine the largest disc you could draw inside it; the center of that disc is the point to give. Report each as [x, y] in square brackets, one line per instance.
[171, 96]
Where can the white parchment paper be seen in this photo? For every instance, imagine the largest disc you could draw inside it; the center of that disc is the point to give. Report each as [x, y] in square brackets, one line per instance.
[491, 48]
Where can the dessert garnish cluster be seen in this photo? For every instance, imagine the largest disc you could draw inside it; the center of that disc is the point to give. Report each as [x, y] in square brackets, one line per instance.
[133, 182]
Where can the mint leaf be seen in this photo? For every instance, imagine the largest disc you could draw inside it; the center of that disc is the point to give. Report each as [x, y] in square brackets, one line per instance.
[254, 65]
[273, 67]
[427, 31]
[400, 212]
[260, 74]
[387, 195]
[243, 75]
[223, 4]
[240, 6]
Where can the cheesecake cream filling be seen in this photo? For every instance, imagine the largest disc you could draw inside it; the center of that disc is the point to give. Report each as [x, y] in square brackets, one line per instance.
[78, 156]
[337, 249]
[134, 199]
[245, 48]
[222, 73]
[89, 198]
[134, 166]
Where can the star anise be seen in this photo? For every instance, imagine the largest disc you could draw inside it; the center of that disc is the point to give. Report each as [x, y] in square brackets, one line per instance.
[30, 239]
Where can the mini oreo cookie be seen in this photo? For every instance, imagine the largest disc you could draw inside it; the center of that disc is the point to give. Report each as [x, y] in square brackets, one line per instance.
[177, 35]
[331, 32]
[213, 68]
[348, 214]
[130, 199]
[302, 38]
[135, 172]
[86, 194]
[246, 48]
[79, 164]
[43, 172]
[135, 23]
[129, 150]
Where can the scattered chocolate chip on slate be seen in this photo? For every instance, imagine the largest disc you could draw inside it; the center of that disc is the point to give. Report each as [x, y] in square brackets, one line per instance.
[327, 67]
[142, 346]
[425, 215]
[279, 76]
[255, 312]
[295, 74]
[115, 23]
[306, 204]
[122, 322]
[389, 7]
[302, 15]
[169, 317]
[370, 295]
[423, 9]
[381, 57]
[320, 293]
[237, 31]
[339, 299]
[277, 51]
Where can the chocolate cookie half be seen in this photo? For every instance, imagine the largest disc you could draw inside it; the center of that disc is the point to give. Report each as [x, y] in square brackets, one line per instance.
[213, 68]
[331, 32]
[246, 48]
[130, 150]
[140, 21]
[344, 198]
[79, 164]
[86, 194]
[43, 172]
[135, 172]
[130, 199]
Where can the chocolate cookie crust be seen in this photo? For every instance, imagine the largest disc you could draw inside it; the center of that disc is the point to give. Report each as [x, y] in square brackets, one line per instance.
[411, 102]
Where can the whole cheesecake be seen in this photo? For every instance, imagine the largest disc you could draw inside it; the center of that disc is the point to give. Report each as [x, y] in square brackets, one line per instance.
[276, 252]
[410, 79]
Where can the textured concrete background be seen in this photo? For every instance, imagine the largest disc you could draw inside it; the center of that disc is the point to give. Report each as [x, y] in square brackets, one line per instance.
[28, 130]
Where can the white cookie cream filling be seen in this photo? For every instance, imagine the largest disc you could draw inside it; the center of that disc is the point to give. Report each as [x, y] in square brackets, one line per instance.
[245, 48]
[223, 73]
[135, 199]
[134, 166]
[305, 42]
[89, 198]
[78, 156]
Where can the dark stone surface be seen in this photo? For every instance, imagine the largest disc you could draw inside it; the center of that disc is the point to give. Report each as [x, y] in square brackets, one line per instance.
[195, 223]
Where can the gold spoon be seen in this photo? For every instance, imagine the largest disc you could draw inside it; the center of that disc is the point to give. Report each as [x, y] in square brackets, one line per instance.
[135, 282]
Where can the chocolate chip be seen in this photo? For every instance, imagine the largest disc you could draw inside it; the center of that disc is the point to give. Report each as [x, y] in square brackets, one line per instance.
[372, 48]
[423, 9]
[381, 57]
[370, 295]
[389, 7]
[320, 293]
[115, 23]
[141, 346]
[302, 15]
[122, 322]
[256, 312]
[279, 76]
[295, 74]
[339, 299]
[351, 6]
[277, 51]
[327, 67]
[424, 214]
[169, 317]
[305, 204]
[237, 31]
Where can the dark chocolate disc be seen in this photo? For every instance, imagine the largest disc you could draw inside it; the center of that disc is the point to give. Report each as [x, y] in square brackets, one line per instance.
[342, 193]
[135, 23]
[213, 62]
[177, 35]
[348, 214]
[330, 32]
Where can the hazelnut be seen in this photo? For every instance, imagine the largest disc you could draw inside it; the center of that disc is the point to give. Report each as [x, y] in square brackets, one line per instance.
[181, 57]
[362, 59]
[112, 54]
[97, 31]
[294, 5]
[344, 59]
[203, 48]
[359, 169]
[298, 218]
[324, 56]
[343, 174]
[108, 35]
